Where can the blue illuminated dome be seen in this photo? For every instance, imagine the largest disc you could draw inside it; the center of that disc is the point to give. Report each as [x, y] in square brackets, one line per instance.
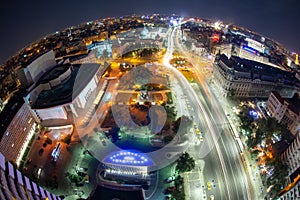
[128, 157]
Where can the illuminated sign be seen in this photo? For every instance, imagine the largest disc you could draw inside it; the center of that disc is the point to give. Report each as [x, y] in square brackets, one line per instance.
[249, 49]
[126, 157]
[255, 45]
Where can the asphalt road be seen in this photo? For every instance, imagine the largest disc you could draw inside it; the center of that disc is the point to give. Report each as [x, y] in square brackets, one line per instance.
[223, 165]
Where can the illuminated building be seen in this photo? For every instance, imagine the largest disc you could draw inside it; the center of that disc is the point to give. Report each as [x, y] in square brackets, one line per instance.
[255, 45]
[17, 135]
[34, 71]
[252, 54]
[198, 48]
[245, 78]
[292, 158]
[284, 112]
[127, 165]
[16, 186]
[64, 92]
[243, 51]
[101, 47]
[91, 58]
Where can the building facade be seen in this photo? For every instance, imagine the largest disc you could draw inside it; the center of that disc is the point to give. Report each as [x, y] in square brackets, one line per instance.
[239, 77]
[128, 166]
[284, 112]
[17, 135]
[14, 185]
[292, 158]
[65, 93]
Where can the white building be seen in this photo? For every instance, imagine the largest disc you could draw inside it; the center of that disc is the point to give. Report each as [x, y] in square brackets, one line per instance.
[64, 93]
[245, 78]
[284, 112]
[256, 45]
[292, 157]
[33, 72]
[130, 165]
[17, 135]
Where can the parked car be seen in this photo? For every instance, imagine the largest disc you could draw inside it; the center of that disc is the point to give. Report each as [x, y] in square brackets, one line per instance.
[170, 179]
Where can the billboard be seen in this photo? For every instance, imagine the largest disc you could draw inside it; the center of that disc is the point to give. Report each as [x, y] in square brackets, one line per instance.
[256, 45]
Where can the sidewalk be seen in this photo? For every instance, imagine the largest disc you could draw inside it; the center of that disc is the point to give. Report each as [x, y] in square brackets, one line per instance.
[194, 184]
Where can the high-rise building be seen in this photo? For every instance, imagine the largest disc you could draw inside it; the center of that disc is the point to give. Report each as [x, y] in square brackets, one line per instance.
[17, 135]
[16, 186]
[292, 158]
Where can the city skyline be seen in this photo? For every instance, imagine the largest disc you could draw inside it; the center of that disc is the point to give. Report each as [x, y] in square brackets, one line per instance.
[158, 106]
[24, 23]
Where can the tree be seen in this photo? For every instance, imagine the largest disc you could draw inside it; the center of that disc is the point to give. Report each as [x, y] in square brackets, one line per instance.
[185, 163]
[269, 126]
[178, 195]
[255, 153]
[280, 173]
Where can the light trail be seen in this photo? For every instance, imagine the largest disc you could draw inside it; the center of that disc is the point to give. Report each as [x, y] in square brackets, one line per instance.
[216, 109]
[166, 62]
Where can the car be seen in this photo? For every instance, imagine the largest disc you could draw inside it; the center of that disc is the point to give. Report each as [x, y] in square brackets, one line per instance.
[211, 197]
[82, 169]
[208, 186]
[170, 179]
[201, 138]
[38, 173]
[87, 178]
[103, 142]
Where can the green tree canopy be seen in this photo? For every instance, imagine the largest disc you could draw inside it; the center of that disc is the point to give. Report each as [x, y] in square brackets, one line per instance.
[185, 163]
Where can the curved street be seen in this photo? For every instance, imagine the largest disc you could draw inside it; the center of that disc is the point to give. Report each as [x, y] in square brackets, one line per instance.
[223, 165]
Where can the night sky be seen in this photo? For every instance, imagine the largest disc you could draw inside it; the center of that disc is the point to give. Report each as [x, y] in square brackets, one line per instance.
[23, 22]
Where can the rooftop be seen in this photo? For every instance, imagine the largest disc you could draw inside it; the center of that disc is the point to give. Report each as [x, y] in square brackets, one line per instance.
[68, 89]
[256, 70]
[278, 97]
[293, 103]
[54, 73]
